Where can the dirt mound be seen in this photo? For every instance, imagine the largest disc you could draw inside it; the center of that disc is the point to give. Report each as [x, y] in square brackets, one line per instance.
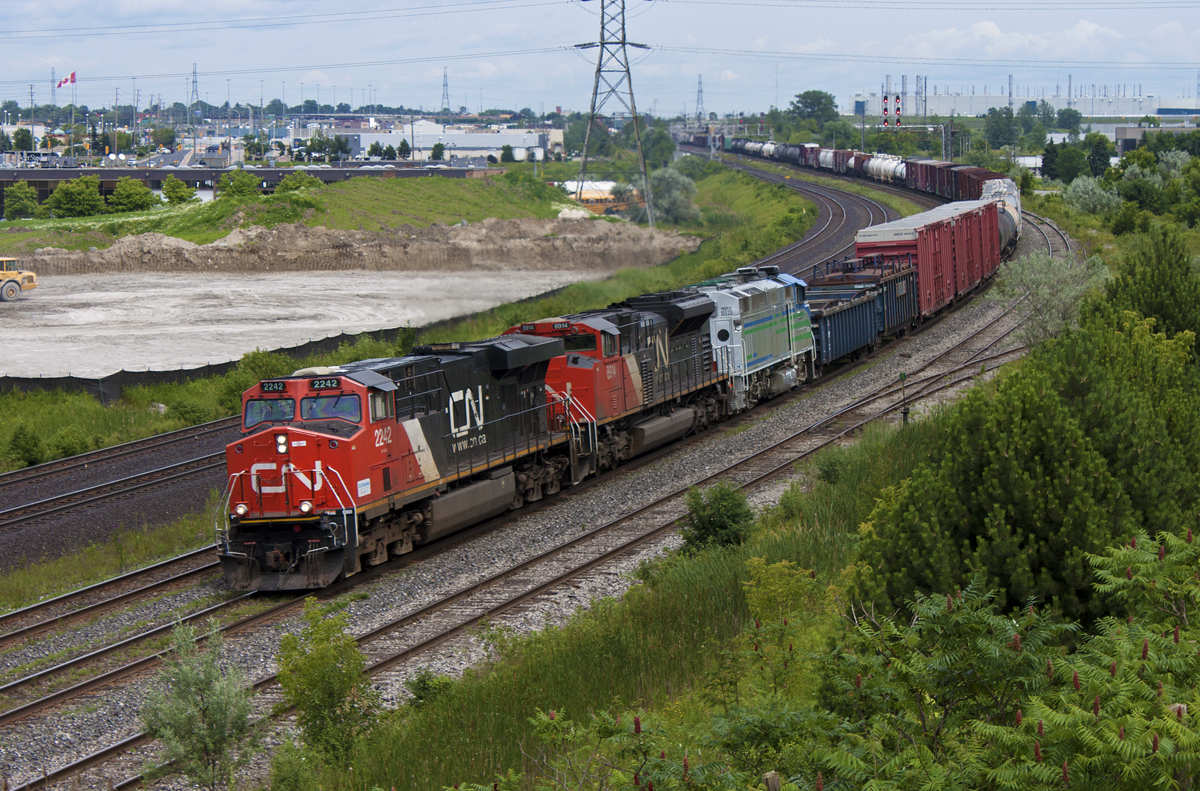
[492, 245]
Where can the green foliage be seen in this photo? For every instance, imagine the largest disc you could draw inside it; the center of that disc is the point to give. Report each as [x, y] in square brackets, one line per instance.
[1069, 118]
[674, 196]
[77, 198]
[437, 152]
[131, 195]
[1000, 128]
[1089, 195]
[238, 185]
[426, 687]
[22, 139]
[201, 712]
[1159, 280]
[321, 673]
[20, 201]
[816, 106]
[404, 150]
[25, 446]
[506, 154]
[176, 192]
[1053, 288]
[717, 517]
[1049, 468]
[1070, 163]
[69, 441]
[299, 180]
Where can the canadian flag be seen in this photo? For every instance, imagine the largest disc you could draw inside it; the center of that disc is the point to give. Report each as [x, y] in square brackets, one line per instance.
[68, 80]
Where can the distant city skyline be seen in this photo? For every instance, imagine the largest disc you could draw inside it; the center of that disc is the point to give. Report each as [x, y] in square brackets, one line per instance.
[521, 53]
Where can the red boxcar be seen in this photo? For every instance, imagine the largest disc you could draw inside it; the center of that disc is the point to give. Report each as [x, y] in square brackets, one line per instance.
[841, 159]
[950, 245]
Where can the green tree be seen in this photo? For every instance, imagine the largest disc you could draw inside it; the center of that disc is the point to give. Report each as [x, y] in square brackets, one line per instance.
[298, 181]
[6, 143]
[176, 192]
[77, 198]
[506, 154]
[1026, 116]
[1069, 119]
[389, 153]
[816, 106]
[20, 201]
[339, 147]
[437, 152]
[375, 150]
[164, 136]
[238, 184]
[321, 673]
[22, 139]
[200, 712]
[1090, 196]
[1000, 128]
[1098, 147]
[1158, 280]
[718, 516]
[1046, 114]
[1050, 161]
[131, 195]
[1070, 163]
[404, 151]
[674, 196]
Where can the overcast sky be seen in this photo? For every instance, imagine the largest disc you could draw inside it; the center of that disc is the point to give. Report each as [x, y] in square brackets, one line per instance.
[520, 53]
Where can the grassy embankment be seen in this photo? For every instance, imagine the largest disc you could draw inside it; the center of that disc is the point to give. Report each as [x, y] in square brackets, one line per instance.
[902, 206]
[658, 649]
[747, 218]
[366, 203]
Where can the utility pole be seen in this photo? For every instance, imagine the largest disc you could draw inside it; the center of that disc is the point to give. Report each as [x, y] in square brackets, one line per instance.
[613, 81]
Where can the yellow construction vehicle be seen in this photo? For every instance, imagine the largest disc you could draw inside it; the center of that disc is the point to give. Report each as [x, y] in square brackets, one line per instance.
[14, 279]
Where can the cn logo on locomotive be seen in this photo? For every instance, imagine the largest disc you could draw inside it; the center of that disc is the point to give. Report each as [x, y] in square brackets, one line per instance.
[473, 410]
[259, 488]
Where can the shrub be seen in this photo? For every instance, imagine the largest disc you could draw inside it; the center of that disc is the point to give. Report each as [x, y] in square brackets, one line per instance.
[176, 192]
[321, 672]
[25, 446]
[77, 198]
[200, 712]
[70, 441]
[717, 517]
[238, 184]
[20, 201]
[298, 181]
[131, 195]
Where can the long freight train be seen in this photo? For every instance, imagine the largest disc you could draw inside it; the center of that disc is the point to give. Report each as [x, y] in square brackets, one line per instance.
[339, 469]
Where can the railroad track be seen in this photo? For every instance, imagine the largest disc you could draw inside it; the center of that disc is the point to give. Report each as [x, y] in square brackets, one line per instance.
[452, 616]
[60, 467]
[24, 515]
[1058, 244]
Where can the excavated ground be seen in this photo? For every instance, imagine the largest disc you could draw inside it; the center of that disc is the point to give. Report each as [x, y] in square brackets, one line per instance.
[155, 302]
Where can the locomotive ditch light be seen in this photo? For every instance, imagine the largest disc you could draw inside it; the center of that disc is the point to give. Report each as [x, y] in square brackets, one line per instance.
[241, 509]
[306, 507]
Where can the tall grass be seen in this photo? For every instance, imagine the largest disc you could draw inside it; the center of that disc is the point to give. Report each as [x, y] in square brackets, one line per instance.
[649, 648]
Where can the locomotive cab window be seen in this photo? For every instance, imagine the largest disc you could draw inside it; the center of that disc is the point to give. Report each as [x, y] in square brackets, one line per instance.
[382, 405]
[268, 410]
[610, 345]
[579, 343]
[333, 406]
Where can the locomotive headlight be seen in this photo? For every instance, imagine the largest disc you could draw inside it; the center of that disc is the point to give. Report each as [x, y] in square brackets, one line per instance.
[241, 509]
[281, 443]
[306, 507]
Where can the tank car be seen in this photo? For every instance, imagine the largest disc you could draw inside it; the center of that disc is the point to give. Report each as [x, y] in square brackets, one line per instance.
[1008, 197]
[340, 468]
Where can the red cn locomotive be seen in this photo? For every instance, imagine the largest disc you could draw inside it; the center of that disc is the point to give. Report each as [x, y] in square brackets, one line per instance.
[341, 468]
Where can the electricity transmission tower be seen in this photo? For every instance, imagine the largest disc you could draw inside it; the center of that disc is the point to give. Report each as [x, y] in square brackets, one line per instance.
[445, 88]
[195, 97]
[701, 116]
[613, 83]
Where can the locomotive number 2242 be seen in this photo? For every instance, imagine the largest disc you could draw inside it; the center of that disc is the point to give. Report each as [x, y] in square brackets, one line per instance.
[383, 436]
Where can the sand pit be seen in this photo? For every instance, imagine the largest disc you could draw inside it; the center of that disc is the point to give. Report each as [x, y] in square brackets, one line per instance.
[90, 326]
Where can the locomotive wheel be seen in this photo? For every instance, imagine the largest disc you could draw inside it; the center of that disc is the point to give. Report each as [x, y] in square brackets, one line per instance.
[9, 292]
